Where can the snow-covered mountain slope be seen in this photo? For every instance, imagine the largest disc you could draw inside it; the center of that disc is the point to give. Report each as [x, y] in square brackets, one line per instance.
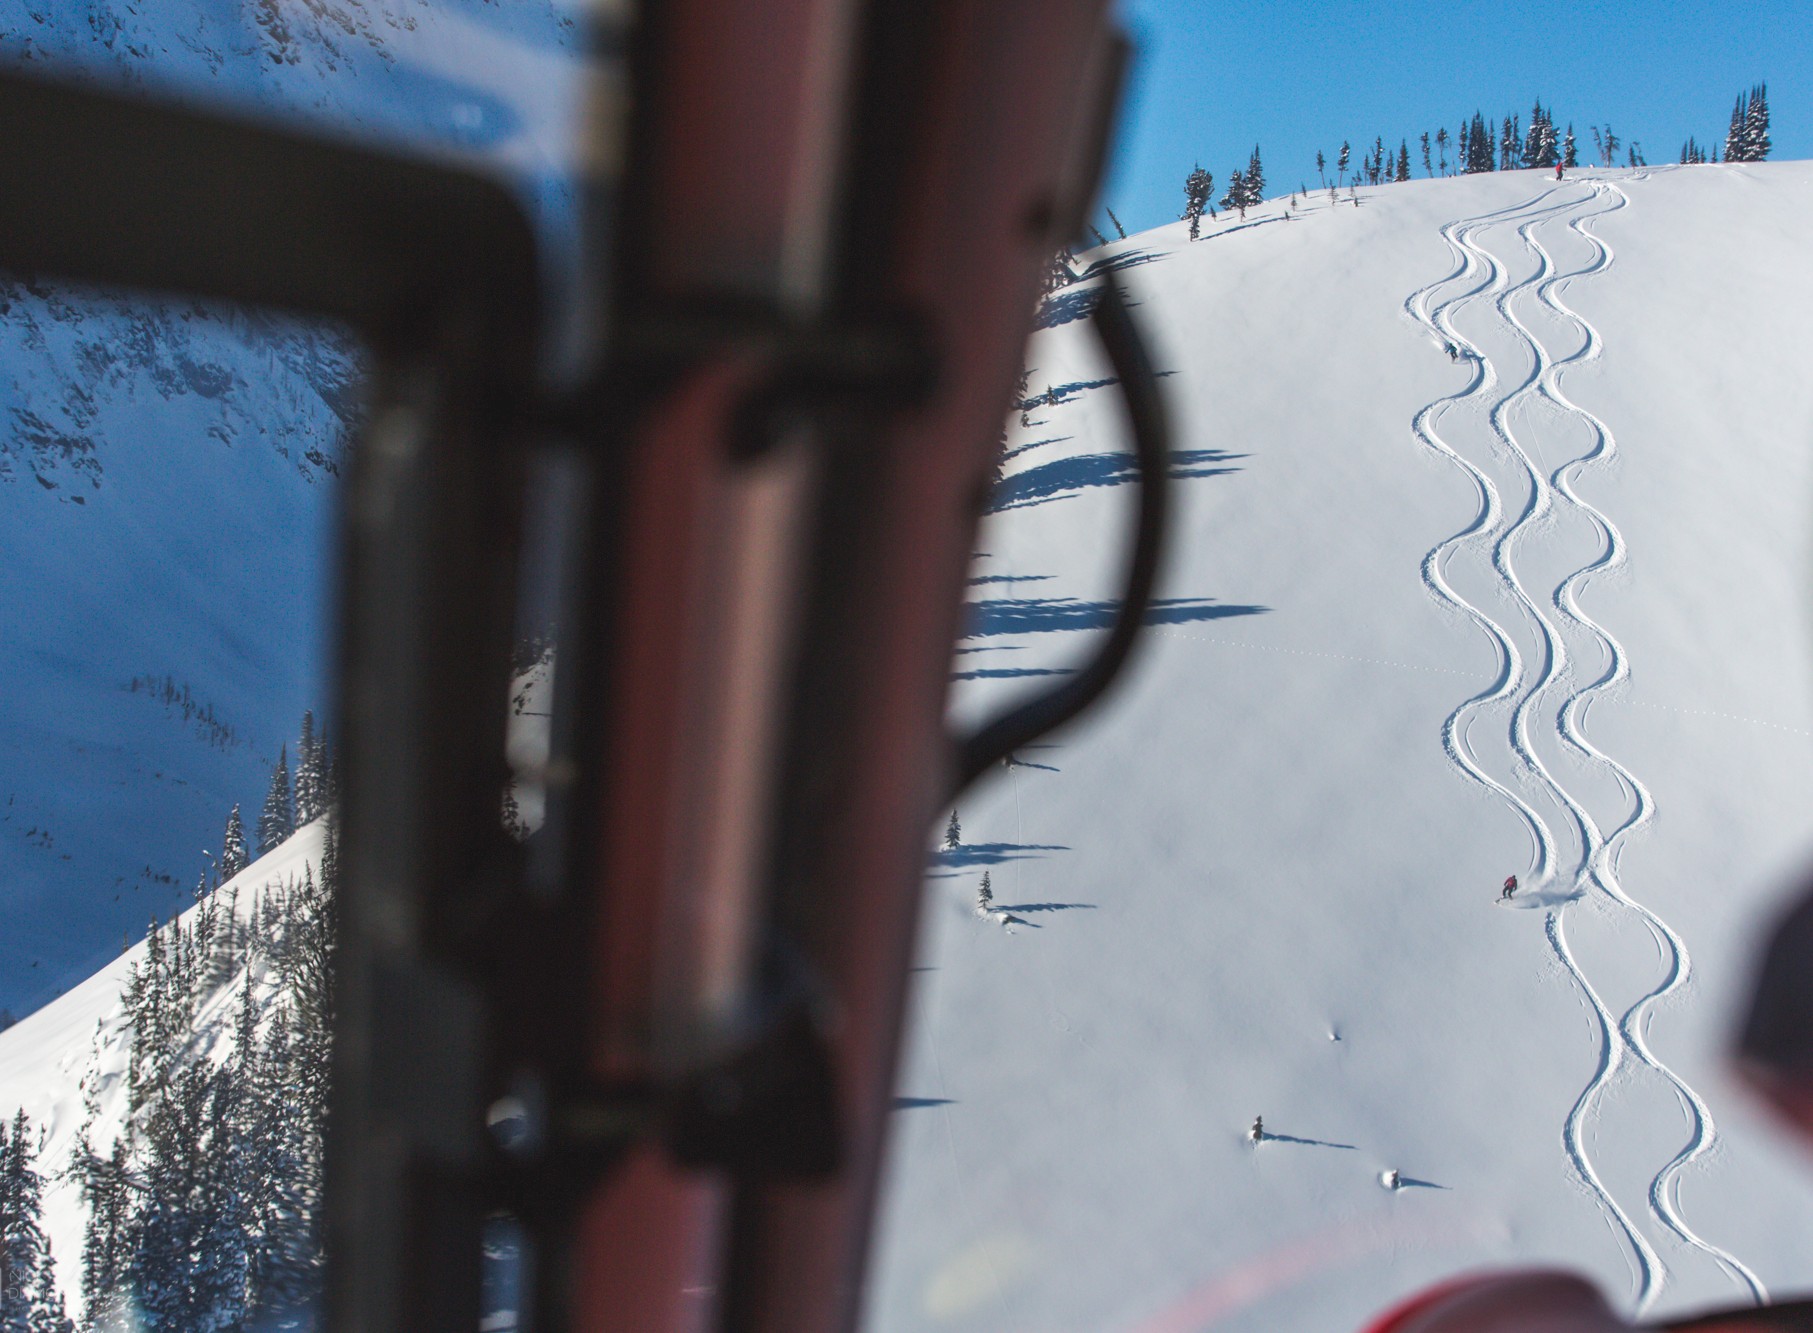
[167, 471]
[167, 567]
[80, 1042]
[1536, 609]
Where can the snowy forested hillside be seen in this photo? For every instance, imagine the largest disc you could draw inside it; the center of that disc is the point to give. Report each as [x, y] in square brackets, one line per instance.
[175, 1104]
[167, 470]
[1537, 608]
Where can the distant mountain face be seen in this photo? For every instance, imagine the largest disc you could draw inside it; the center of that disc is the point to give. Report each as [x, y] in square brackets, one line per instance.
[168, 469]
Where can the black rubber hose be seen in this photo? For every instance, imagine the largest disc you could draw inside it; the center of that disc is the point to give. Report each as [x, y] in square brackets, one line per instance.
[1151, 430]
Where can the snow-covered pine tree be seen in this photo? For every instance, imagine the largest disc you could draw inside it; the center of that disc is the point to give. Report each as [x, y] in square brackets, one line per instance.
[1756, 125]
[233, 857]
[1734, 135]
[1342, 161]
[1119, 230]
[108, 1238]
[311, 782]
[1236, 195]
[1255, 179]
[1540, 148]
[1609, 145]
[29, 1300]
[1321, 167]
[278, 818]
[1403, 160]
[1570, 152]
[1478, 148]
[953, 833]
[1197, 188]
[1441, 146]
[985, 896]
[188, 1267]
[1510, 144]
[1428, 169]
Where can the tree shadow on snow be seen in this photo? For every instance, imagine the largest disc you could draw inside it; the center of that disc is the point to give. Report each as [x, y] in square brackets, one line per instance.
[1036, 444]
[1047, 907]
[1241, 226]
[1126, 259]
[993, 853]
[1064, 307]
[1043, 615]
[1407, 1183]
[912, 1103]
[1269, 1137]
[1064, 477]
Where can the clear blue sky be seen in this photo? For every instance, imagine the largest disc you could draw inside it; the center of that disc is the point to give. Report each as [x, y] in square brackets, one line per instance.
[1214, 77]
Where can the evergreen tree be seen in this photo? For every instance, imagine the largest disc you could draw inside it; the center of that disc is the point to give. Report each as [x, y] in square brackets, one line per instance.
[1119, 230]
[1478, 148]
[1510, 145]
[1734, 136]
[311, 781]
[1756, 125]
[278, 818]
[1321, 167]
[233, 857]
[1748, 138]
[1608, 145]
[985, 896]
[1428, 169]
[1236, 195]
[953, 834]
[1570, 155]
[1441, 144]
[1255, 179]
[1540, 146]
[1404, 160]
[107, 1239]
[1342, 161]
[188, 1266]
[1197, 188]
[29, 1301]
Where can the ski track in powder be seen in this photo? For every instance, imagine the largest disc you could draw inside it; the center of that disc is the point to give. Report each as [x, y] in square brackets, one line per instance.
[1623, 1043]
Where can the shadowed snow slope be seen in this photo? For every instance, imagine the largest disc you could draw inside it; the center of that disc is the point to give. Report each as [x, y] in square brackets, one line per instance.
[1535, 608]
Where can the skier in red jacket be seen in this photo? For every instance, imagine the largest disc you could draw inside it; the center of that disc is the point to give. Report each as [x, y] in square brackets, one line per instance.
[1510, 887]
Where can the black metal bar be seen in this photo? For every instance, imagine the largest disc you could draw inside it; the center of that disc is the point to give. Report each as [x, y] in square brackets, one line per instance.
[104, 188]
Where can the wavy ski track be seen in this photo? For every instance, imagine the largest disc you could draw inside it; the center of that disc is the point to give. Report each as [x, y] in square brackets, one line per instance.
[1623, 1037]
[1605, 850]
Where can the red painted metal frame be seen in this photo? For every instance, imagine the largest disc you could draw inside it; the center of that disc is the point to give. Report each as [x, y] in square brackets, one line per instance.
[744, 165]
